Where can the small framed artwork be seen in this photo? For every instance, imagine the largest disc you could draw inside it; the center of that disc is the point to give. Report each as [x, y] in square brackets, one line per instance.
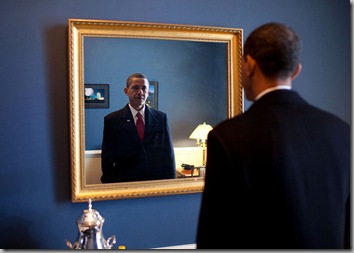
[96, 95]
[153, 94]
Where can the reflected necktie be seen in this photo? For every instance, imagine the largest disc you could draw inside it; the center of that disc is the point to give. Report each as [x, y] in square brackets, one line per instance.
[140, 126]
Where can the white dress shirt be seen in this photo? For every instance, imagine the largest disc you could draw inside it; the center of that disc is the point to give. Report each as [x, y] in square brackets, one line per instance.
[279, 87]
[134, 112]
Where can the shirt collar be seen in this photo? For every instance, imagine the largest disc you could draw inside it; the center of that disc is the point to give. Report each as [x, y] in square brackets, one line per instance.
[278, 87]
[134, 112]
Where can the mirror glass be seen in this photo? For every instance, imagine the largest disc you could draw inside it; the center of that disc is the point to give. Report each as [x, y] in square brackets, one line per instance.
[196, 75]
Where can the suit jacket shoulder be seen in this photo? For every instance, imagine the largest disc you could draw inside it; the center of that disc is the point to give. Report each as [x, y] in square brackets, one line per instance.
[121, 113]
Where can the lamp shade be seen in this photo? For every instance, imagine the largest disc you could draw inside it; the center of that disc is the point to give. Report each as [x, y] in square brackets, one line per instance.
[201, 132]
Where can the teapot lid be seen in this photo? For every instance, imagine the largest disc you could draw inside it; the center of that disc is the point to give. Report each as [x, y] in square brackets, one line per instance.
[90, 217]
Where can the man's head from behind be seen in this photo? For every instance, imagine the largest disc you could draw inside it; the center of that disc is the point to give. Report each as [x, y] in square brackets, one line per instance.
[271, 58]
[276, 48]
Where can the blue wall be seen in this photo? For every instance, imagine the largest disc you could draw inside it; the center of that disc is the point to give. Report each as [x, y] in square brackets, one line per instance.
[36, 210]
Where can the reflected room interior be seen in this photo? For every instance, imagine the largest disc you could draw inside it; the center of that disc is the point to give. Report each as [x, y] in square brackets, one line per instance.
[192, 89]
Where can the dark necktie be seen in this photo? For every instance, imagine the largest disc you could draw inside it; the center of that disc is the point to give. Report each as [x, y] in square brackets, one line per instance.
[140, 126]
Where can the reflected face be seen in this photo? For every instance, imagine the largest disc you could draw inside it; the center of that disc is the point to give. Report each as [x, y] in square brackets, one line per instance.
[137, 92]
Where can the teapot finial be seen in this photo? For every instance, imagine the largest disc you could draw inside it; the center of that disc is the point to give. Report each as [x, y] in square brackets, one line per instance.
[90, 204]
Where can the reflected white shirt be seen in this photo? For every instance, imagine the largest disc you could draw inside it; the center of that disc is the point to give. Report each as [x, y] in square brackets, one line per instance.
[134, 112]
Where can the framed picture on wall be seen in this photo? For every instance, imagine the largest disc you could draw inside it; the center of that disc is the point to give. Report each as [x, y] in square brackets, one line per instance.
[153, 94]
[96, 96]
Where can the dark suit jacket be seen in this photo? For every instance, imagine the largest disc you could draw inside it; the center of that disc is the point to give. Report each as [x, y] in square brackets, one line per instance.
[126, 158]
[277, 177]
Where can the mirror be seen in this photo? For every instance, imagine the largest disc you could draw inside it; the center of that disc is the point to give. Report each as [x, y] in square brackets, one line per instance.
[88, 41]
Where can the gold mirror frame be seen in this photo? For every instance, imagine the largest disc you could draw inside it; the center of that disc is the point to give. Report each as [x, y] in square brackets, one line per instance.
[78, 29]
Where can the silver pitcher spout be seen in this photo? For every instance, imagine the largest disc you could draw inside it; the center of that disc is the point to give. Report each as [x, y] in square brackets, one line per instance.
[90, 231]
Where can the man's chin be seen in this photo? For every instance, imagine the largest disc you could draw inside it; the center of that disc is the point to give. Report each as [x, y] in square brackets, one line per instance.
[140, 104]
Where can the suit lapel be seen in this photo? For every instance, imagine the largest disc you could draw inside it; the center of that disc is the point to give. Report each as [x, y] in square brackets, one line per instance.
[128, 124]
[151, 123]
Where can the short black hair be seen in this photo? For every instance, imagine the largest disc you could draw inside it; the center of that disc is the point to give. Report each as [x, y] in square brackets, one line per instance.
[276, 48]
[135, 75]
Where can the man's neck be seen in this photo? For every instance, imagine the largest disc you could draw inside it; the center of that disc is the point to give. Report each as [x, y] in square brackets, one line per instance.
[141, 110]
[278, 87]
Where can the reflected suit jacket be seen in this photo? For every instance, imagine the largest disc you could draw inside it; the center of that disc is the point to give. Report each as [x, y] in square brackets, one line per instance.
[277, 177]
[126, 158]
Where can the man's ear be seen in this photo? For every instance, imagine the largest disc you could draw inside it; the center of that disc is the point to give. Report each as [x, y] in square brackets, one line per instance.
[126, 90]
[250, 65]
[297, 71]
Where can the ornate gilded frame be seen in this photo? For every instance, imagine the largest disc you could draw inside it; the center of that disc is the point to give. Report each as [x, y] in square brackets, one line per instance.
[78, 29]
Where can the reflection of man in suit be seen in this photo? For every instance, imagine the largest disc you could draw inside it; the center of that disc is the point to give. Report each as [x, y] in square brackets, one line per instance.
[125, 157]
[278, 175]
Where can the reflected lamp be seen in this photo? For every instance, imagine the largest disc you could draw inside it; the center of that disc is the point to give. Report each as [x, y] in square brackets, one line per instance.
[201, 134]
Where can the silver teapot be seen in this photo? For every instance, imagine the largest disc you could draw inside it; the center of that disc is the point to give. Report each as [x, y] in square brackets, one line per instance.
[90, 231]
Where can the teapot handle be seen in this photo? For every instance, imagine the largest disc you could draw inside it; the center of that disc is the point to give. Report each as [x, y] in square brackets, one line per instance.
[110, 241]
[75, 246]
